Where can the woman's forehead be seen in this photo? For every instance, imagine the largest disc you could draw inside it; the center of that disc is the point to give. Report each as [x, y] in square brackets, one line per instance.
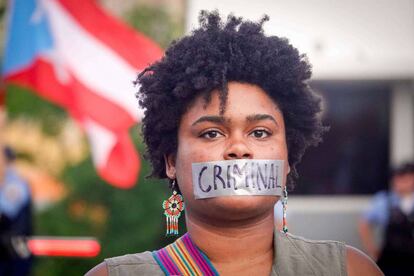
[238, 94]
[243, 100]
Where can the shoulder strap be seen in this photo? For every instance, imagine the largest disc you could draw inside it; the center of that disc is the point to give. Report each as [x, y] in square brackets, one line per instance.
[183, 258]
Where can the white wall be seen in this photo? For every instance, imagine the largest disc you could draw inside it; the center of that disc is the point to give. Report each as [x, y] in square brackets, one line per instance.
[353, 39]
[402, 123]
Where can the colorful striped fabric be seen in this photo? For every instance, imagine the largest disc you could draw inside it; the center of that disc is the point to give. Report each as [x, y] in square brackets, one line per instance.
[183, 258]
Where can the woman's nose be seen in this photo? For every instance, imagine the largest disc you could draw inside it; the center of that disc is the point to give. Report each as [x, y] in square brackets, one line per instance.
[237, 148]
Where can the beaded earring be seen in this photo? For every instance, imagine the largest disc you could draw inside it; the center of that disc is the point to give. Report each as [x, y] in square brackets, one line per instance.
[284, 204]
[173, 207]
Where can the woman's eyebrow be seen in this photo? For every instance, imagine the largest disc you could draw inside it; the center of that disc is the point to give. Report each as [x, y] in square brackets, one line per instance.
[211, 119]
[260, 117]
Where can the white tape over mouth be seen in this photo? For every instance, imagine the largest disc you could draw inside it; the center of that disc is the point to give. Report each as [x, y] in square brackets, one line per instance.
[237, 177]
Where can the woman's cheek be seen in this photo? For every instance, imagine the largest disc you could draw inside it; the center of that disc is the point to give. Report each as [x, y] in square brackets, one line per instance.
[203, 154]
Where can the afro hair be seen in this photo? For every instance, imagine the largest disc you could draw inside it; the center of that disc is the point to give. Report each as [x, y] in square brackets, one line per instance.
[213, 55]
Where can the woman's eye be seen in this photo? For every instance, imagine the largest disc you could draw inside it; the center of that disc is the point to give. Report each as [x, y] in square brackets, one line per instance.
[260, 133]
[211, 134]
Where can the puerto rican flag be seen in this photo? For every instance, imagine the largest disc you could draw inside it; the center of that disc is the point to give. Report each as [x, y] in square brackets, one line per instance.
[72, 53]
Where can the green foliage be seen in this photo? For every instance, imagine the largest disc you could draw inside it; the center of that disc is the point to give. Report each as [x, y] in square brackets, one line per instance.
[21, 102]
[155, 23]
[2, 8]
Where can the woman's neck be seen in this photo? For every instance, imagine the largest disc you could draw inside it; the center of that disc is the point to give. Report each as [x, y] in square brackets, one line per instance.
[239, 248]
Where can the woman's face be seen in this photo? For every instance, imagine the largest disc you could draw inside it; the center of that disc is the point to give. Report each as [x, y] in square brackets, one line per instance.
[252, 127]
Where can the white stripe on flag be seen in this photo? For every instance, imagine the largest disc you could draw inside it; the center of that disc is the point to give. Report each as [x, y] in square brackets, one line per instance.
[101, 140]
[92, 62]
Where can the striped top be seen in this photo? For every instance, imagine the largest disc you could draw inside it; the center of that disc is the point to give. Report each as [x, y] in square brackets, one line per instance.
[183, 258]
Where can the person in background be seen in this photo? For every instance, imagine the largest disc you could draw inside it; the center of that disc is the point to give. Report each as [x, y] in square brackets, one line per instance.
[393, 212]
[15, 217]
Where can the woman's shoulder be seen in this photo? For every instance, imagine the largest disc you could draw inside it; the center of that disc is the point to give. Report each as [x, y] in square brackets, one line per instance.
[130, 264]
[99, 270]
[323, 255]
[359, 263]
[296, 255]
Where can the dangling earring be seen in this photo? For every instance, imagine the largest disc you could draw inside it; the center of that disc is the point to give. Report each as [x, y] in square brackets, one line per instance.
[173, 207]
[284, 204]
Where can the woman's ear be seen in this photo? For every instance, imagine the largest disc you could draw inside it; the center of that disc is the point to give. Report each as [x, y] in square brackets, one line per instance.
[170, 166]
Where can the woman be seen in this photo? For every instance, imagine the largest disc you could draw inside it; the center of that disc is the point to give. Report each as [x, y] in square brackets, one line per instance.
[224, 95]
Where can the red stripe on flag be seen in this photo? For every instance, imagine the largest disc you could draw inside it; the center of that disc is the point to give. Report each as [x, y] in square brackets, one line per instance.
[123, 164]
[81, 100]
[2, 96]
[131, 45]
[78, 99]
[122, 167]
[40, 76]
